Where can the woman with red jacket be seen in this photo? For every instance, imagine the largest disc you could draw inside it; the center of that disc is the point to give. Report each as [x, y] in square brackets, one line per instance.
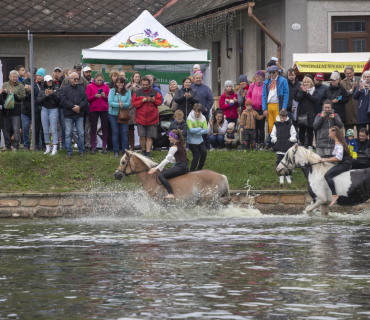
[229, 102]
[97, 93]
[255, 94]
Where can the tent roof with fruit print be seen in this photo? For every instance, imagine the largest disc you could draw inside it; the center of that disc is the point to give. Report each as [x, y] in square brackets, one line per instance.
[144, 41]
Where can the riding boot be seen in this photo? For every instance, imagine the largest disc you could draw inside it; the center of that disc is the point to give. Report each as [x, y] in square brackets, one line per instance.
[131, 138]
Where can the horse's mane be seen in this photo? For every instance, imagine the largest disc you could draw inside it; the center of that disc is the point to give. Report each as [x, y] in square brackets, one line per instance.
[309, 155]
[149, 163]
[314, 158]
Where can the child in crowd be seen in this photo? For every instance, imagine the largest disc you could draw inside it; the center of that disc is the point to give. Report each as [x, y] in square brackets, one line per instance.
[283, 135]
[231, 137]
[197, 126]
[351, 142]
[248, 126]
[196, 69]
[179, 123]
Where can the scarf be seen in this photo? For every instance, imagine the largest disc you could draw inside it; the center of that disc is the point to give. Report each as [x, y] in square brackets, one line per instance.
[311, 91]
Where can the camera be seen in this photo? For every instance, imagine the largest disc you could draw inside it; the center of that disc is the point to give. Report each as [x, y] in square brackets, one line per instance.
[328, 113]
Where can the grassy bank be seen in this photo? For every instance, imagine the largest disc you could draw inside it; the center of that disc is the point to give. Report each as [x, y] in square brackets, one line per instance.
[36, 172]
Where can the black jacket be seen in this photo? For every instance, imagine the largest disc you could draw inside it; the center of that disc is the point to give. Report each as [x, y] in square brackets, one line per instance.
[332, 93]
[180, 126]
[307, 104]
[50, 101]
[293, 89]
[71, 96]
[186, 104]
[282, 143]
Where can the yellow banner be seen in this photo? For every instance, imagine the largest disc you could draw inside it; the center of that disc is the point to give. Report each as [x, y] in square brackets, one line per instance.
[328, 67]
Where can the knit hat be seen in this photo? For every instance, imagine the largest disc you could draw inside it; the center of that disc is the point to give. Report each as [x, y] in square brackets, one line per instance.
[196, 66]
[231, 126]
[274, 59]
[350, 133]
[271, 63]
[40, 72]
[248, 102]
[273, 68]
[243, 78]
[229, 83]
[260, 73]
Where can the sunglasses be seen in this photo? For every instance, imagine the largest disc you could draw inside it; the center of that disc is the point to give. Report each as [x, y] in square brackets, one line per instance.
[273, 72]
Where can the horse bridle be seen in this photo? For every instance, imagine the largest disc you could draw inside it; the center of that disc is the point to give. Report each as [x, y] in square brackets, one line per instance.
[128, 164]
[293, 163]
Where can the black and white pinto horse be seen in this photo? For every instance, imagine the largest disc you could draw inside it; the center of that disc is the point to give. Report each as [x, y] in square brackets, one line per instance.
[352, 186]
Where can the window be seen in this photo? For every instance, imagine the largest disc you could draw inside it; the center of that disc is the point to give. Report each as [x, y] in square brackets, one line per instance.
[350, 34]
[240, 51]
[9, 64]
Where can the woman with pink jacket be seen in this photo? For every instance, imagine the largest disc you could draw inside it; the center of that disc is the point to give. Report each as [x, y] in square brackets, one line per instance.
[255, 94]
[97, 93]
[229, 103]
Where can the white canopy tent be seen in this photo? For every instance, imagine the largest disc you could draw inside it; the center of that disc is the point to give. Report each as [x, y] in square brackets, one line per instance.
[149, 46]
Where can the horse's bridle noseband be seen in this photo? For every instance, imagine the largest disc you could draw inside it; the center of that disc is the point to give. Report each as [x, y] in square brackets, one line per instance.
[293, 163]
[128, 164]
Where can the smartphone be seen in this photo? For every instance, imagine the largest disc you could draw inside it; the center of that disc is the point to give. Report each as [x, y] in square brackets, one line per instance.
[100, 91]
[151, 96]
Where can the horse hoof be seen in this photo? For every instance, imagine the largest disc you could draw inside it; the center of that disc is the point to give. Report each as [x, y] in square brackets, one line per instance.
[224, 200]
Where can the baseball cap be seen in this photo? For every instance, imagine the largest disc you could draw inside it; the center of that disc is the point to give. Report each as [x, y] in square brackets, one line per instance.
[273, 68]
[77, 66]
[319, 76]
[48, 78]
[334, 76]
[57, 68]
[86, 69]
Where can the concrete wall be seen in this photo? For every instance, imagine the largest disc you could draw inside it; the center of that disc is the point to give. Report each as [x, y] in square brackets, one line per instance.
[319, 14]
[49, 52]
[50, 205]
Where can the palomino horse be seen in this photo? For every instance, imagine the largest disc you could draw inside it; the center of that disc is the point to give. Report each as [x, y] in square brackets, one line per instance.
[352, 186]
[192, 187]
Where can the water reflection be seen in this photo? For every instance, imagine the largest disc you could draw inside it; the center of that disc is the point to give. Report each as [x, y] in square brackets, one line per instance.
[250, 268]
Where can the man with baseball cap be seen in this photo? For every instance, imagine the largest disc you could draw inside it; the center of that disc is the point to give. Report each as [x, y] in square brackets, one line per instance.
[338, 96]
[81, 80]
[275, 95]
[87, 74]
[320, 88]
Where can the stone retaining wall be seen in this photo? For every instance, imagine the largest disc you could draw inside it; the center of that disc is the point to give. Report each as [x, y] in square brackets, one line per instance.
[51, 205]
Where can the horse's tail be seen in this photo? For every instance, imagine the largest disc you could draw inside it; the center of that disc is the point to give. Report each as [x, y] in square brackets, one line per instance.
[227, 192]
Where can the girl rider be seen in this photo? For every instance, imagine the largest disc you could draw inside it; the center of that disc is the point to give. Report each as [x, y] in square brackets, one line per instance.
[176, 154]
[341, 155]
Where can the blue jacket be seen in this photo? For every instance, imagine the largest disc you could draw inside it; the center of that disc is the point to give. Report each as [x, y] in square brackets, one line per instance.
[282, 91]
[363, 105]
[205, 97]
[159, 90]
[352, 145]
[113, 101]
[320, 90]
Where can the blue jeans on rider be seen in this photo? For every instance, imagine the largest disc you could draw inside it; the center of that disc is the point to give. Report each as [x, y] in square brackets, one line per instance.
[26, 123]
[217, 140]
[117, 130]
[62, 127]
[79, 122]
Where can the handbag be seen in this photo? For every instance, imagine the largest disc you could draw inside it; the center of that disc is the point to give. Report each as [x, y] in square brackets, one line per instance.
[303, 120]
[9, 102]
[123, 114]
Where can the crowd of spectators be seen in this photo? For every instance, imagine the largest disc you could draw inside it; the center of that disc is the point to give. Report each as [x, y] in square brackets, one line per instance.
[69, 104]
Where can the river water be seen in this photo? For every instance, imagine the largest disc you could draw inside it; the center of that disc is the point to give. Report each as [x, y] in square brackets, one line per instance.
[231, 264]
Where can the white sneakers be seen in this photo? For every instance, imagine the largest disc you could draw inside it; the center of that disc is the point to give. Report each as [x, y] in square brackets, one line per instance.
[55, 149]
[288, 179]
[47, 149]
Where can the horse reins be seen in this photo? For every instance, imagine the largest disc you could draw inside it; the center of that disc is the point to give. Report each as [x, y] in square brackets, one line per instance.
[293, 162]
[131, 173]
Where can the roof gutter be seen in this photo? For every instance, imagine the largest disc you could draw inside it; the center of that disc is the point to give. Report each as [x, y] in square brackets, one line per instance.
[248, 5]
[250, 14]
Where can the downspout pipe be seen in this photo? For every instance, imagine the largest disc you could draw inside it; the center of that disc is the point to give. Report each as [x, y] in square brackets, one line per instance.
[250, 14]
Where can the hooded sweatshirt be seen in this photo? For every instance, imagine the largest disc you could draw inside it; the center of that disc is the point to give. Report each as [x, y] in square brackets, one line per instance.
[196, 128]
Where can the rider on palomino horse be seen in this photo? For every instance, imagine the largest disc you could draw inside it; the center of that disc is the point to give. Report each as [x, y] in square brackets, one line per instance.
[177, 155]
